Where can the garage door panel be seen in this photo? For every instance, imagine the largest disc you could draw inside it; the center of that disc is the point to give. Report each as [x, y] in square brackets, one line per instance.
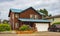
[42, 26]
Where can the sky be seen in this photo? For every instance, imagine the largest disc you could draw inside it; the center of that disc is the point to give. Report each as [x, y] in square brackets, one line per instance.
[52, 6]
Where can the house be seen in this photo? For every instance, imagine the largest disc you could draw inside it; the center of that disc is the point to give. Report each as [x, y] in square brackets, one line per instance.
[54, 19]
[29, 17]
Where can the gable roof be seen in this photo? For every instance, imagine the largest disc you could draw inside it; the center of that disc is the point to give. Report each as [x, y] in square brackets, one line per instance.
[33, 20]
[20, 11]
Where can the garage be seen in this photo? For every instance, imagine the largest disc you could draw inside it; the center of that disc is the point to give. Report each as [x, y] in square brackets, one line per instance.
[42, 26]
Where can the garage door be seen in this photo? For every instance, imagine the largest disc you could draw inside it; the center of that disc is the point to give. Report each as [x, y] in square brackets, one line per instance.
[42, 26]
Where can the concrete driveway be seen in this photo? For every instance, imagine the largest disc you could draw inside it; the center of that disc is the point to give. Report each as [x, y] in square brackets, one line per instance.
[35, 34]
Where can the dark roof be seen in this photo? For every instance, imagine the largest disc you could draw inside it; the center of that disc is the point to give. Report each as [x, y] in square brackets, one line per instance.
[33, 20]
[20, 11]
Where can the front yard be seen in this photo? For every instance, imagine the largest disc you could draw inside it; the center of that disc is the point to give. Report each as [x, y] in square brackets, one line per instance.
[8, 32]
[35, 34]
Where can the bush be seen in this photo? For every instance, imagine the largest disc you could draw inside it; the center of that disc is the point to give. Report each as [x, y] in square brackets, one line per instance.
[5, 27]
[25, 27]
[56, 23]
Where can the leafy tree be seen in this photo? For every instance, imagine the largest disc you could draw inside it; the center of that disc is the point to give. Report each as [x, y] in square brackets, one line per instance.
[40, 10]
[50, 15]
[44, 11]
[25, 27]
[5, 27]
[5, 21]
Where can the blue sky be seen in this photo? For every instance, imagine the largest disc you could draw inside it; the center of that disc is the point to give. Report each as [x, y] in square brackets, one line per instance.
[53, 6]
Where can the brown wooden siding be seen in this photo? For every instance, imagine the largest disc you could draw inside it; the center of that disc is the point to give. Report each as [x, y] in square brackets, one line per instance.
[11, 20]
[26, 14]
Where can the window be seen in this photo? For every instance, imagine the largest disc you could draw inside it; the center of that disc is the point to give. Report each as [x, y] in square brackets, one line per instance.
[16, 25]
[17, 15]
[36, 16]
[32, 16]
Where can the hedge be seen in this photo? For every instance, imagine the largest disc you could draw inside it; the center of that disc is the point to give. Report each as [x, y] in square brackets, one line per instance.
[25, 27]
[5, 27]
[56, 23]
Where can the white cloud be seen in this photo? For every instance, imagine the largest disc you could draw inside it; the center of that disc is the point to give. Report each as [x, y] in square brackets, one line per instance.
[53, 6]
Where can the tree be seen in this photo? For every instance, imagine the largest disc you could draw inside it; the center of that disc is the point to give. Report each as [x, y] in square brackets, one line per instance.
[5, 21]
[44, 11]
[50, 15]
[5, 27]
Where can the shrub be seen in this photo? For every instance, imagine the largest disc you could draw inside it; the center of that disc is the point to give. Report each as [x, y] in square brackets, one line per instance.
[5, 27]
[56, 23]
[25, 27]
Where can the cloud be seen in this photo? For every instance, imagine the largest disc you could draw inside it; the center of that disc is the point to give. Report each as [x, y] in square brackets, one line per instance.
[53, 6]
[5, 0]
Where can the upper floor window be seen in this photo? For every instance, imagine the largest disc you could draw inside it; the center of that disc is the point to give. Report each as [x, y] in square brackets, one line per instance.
[17, 15]
[36, 16]
[32, 16]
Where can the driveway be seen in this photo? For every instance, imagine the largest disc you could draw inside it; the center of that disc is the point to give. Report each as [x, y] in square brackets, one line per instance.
[34, 34]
